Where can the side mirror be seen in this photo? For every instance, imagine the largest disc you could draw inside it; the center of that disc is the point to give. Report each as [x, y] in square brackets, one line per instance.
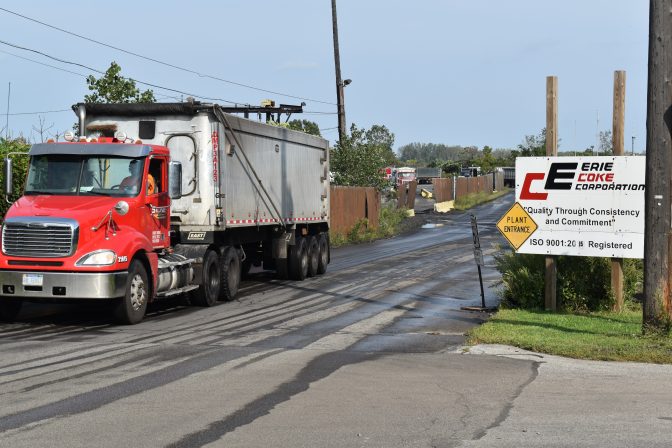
[7, 172]
[175, 180]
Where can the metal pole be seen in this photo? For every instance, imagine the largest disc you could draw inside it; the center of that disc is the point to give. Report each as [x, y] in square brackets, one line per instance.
[632, 148]
[339, 82]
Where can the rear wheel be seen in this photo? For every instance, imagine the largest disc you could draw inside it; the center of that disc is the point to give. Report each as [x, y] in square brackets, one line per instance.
[298, 259]
[313, 256]
[231, 271]
[211, 273]
[323, 260]
[9, 309]
[132, 307]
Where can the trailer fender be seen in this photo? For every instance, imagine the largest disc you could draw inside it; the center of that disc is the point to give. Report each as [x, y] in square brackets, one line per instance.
[281, 243]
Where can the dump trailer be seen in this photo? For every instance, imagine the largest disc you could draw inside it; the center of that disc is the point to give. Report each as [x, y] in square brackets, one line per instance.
[161, 199]
[425, 175]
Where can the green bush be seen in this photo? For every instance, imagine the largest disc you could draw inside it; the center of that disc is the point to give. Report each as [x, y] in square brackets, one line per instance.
[584, 283]
[389, 220]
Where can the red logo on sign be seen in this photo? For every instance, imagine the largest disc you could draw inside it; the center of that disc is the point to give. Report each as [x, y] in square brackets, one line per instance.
[525, 192]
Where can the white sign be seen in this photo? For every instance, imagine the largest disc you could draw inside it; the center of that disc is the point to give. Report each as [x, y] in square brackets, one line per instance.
[585, 206]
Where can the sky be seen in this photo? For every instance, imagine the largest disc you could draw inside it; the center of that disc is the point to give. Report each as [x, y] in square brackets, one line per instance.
[457, 72]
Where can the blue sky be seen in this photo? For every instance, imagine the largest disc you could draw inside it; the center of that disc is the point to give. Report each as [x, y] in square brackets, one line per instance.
[459, 72]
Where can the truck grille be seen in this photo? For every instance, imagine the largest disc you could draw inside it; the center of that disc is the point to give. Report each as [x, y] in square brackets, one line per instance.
[39, 237]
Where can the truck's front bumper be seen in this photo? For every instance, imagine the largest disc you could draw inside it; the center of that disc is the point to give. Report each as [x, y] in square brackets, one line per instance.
[62, 285]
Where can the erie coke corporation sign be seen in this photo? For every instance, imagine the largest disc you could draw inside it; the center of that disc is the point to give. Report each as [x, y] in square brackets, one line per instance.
[584, 206]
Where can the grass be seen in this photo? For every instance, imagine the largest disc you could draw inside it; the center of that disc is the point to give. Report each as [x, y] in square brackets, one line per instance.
[474, 199]
[389, 223]
[600, 335]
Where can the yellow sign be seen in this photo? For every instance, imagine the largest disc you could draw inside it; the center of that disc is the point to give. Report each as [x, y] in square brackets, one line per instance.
[516, 225]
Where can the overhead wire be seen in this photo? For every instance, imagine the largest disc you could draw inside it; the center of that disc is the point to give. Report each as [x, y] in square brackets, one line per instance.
[40, 112]
[42, 63]
[156, 86]
[167, 64]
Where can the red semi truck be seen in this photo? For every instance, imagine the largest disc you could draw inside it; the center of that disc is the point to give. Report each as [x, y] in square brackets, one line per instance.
[203, 197]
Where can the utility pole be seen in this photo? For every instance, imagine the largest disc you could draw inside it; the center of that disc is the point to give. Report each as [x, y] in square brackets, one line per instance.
[340, 99]
[618, 146]
[551, 272]
[657, 242]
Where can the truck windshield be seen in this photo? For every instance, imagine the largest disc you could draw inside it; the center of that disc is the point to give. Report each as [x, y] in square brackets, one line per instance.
[78, 175]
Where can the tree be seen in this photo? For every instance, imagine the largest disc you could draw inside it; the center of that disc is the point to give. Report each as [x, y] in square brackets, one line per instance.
[486, 161]
[359, 158]
[533, 146]
[381, 137]
[19, 167]
[307, 126]
[606, 143]
[114, 88]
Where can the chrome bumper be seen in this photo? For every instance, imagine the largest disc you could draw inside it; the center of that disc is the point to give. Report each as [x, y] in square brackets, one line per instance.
[64, 285]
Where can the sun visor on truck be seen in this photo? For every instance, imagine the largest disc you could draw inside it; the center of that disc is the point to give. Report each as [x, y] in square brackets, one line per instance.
[136, 109]
[108, 149]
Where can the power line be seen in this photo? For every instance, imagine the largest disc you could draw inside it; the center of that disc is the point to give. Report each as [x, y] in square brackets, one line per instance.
[167, 64]
[42, 112]
[156, 86]
[42, 63]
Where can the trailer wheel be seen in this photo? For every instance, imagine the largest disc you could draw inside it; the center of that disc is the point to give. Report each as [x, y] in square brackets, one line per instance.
[298, 259]
[211, 273]
[9, 309]
[323, 260]
[231, 271]
[131, 308]
[313, 256]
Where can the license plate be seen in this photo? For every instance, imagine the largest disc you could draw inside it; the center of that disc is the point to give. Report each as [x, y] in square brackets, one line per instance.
[32, 279]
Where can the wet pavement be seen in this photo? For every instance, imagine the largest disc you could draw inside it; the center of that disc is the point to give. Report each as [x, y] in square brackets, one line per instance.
[367, 355]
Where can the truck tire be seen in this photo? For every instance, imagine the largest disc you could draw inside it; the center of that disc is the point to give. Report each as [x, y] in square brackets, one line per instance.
[298, 259]
[211, 275]
[131, 308]
[323, 260]
[9, 309]
[231, 271]
[313, 256]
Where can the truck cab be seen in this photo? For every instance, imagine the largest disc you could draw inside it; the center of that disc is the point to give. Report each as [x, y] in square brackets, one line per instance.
[93, 218]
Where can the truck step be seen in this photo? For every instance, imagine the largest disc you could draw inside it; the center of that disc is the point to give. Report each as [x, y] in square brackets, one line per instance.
[173, 292]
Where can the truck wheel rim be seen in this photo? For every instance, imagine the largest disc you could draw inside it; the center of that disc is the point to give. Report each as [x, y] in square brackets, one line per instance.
[137, 292]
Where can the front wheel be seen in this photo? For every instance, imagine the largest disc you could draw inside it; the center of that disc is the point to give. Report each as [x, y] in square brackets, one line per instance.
[132, 307]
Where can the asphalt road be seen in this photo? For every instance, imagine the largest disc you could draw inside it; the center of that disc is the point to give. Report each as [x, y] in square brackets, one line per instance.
[366, 355]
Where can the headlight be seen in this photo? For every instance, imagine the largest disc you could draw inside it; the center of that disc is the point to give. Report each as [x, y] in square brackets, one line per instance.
[103, 257]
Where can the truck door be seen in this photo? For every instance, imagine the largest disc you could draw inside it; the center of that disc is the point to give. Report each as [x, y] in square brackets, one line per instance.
[158, 202]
